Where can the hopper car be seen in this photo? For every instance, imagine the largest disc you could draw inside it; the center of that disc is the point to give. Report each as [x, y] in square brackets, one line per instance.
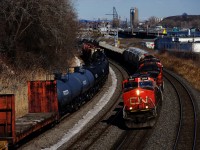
[50, 100]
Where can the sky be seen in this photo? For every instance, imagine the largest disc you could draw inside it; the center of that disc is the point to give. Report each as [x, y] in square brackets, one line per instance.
[94, 9]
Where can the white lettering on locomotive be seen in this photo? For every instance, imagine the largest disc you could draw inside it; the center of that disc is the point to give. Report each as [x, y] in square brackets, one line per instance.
[138, 100]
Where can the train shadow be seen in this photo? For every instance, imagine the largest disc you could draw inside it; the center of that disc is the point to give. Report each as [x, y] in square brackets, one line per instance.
[116, 119]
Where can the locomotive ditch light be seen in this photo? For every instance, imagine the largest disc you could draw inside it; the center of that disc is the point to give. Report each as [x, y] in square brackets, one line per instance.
[131, 108]
[147, 107]
[138, 92]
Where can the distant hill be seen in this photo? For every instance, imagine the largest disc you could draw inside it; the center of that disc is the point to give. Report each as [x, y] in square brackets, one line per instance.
[184, 21]
[183, 18]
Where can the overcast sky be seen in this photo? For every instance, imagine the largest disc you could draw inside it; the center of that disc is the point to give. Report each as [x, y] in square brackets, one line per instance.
[94, 9]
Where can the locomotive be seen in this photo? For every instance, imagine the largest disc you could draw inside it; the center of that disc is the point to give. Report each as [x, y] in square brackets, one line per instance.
[50, 100]
[142, 92]
[154, 68]
[142, 100]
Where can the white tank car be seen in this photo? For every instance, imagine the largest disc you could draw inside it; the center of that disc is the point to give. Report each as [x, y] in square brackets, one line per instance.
[133, 55]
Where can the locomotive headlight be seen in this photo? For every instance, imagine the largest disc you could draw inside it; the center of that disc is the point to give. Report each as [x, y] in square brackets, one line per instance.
[131, 108]
[138, 92]
[147, 107]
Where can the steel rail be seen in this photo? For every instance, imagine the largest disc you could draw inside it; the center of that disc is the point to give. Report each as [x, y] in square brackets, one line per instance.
[187, 110]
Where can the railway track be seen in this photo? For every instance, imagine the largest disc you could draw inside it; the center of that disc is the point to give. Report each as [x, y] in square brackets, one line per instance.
[88, 139]
[187, 128]
[132, 139]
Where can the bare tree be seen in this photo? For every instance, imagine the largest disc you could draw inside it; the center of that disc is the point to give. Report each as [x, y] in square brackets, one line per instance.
[38, 32]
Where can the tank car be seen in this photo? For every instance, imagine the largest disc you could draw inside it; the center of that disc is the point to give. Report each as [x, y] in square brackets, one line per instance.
[142, 99]
[73, 89]
[99, 68]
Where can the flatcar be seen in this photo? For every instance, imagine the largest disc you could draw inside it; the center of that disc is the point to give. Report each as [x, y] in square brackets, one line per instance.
[50, 100]
[142, 100]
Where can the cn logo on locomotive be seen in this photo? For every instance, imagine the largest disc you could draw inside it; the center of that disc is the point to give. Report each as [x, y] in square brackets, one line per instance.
[139, 100]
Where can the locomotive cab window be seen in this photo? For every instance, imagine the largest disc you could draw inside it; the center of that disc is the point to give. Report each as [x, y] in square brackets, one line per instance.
[146, 85]
[129, 86]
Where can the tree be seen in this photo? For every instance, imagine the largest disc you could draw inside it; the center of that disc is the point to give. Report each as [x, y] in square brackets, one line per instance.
[152, 21]
[38, 32]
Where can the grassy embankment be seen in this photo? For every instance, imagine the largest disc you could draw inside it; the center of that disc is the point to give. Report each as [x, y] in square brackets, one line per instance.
[188, 69]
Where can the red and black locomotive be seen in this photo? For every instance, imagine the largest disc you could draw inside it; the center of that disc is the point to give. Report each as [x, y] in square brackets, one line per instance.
[142, 91]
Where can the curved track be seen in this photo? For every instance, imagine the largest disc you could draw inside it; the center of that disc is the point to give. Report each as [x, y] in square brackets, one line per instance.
[187, 128]
[132, 139]
[91, 137]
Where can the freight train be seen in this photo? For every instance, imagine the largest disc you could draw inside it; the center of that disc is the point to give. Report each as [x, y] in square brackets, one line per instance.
[142, 91]
[50, 100]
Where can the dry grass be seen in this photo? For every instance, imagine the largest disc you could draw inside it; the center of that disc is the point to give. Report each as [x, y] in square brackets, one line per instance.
[188, 69]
